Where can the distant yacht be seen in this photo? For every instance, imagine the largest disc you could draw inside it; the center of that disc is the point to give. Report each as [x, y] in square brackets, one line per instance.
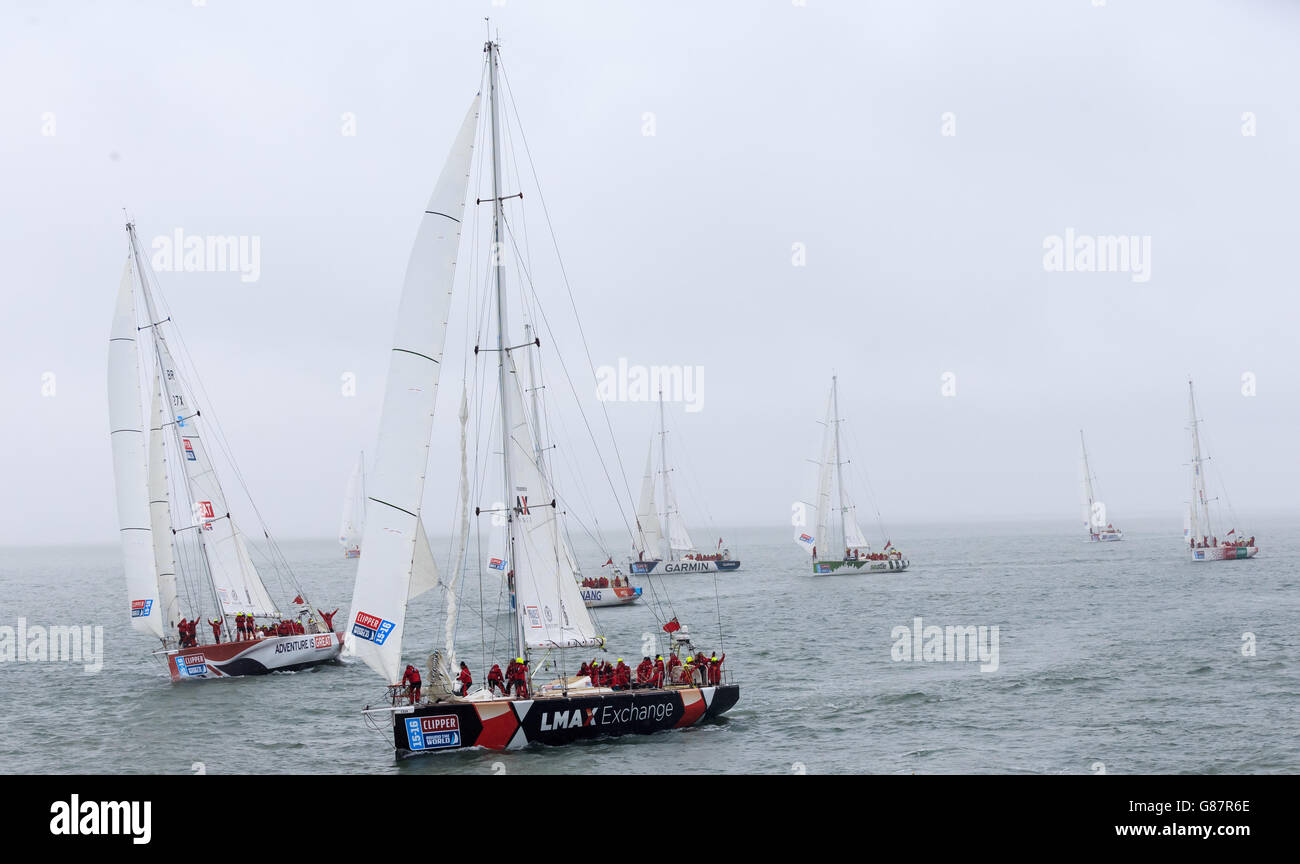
[1201, 539]
[354, 511]
[1099, 529]
[857, 555]
[658, 530]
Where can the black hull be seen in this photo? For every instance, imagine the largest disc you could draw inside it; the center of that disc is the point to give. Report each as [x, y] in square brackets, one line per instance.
[558, 720]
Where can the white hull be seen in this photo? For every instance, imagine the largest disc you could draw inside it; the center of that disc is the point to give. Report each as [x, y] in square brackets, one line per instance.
[1107, 536]
[256, 657]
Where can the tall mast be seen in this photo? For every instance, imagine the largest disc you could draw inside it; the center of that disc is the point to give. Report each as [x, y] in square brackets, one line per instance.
[532, 393]
[839, 476]
[158, 341]
[499, 274]
[1199, 503]
[663, 469]
[1087, 482]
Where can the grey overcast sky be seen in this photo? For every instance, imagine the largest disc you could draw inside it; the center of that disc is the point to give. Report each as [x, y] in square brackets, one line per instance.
[775, 123]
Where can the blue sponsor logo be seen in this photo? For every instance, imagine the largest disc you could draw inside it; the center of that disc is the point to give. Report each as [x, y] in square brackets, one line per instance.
[822, 568]
[372, 628]
[191, 666]
[141, 608]
[431, 733]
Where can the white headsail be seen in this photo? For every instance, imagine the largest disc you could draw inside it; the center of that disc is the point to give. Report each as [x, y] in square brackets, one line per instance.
[397, 560]
[548, 600]
[130, 468]
[238, 585]
[650, 539]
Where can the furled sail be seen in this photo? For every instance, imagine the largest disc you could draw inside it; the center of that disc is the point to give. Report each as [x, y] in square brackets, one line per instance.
[130, 469]
[160, 511]
[547, 598]
[395, 565]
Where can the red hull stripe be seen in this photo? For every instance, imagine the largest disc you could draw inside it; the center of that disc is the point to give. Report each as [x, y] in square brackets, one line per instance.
[693, 707]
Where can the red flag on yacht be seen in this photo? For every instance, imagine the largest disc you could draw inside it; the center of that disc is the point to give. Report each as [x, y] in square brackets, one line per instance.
[609, 562]
[298, 599]
[672, 626]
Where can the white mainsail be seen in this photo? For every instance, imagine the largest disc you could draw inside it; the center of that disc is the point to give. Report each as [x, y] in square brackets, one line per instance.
[397, 560]
[548, 600]
[161, 513]
[679, 539]
[650, 539]
[130, 468]
[354, 511]
[1088, 496]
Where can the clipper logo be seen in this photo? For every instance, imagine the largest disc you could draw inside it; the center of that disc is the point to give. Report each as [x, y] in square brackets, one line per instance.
[430, 733]
[497, 564]
[823, 568]
[192, 665]
[371, 628]
[189, 450]
[141, 608]
[805, 538]
[643, 567]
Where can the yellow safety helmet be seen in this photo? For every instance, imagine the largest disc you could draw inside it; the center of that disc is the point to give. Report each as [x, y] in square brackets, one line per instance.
[519, 659]
[620, 659]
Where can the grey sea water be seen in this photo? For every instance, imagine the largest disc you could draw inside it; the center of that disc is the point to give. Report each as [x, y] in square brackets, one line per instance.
[1120, 655]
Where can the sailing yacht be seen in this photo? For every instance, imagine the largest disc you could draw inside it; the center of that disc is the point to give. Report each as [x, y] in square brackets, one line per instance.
[1202, 542]
[550, 627]
[1099, 528]
[354, 511]
[202, 568]
[662, 544]
[811, 533]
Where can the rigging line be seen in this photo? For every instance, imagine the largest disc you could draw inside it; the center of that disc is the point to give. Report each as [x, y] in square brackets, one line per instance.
[568, 288]
[219, 433]
[866, 480]
[569, 379]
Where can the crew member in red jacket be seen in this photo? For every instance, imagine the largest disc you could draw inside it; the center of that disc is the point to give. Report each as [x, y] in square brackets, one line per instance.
[465, 679]
[673, 663]
[622, 676]
[495, 681]
[411, 678]
[658, 680]
[644, 672]
[181, 632]
[215, 624]
[715, 668]
[329, 619]
[239, 627]
[520, 678]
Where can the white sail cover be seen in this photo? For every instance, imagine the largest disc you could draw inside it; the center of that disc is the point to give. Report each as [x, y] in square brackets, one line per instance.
[238, 585]
[160, 511]
[819, 517]
[130, 471]
[353, 510]
[650, 539]
[395, 563]
[547, 598]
